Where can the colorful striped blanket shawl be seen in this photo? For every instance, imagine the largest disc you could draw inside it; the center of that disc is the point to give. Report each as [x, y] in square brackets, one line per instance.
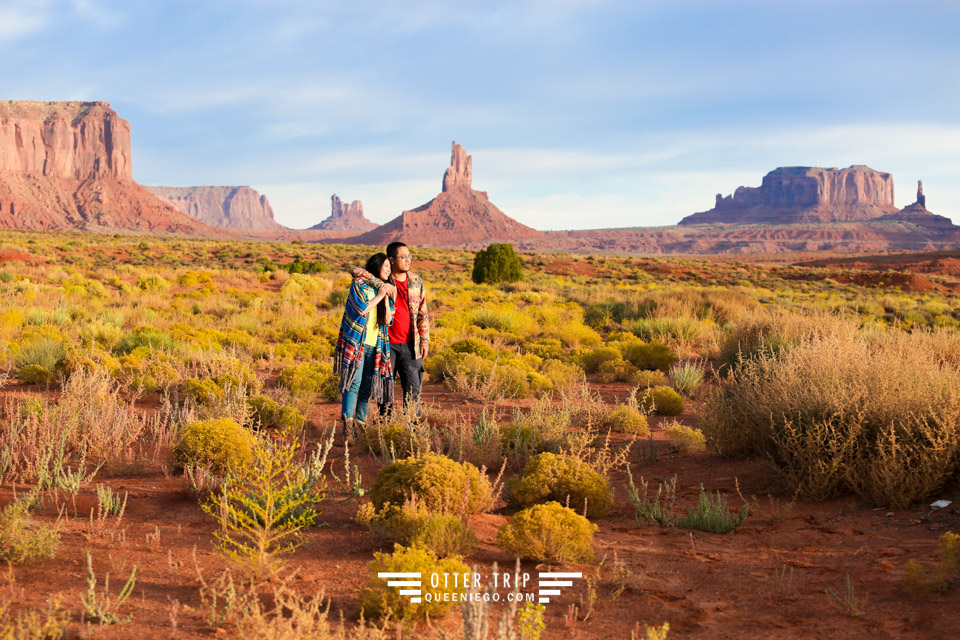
[348, 355]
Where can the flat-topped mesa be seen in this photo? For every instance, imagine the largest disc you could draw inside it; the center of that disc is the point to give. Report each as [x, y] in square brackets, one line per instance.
[459, 175]
[805, 194]
[345, 217]
[221, 207]
[66, 165]
[72, 140]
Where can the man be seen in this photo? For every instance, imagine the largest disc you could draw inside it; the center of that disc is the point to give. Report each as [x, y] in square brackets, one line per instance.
[410, 331]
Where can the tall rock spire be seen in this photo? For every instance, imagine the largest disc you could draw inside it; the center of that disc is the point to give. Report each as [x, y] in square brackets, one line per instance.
[459, 175]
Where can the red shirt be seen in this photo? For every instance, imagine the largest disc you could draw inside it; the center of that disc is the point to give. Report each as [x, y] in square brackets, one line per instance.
[400, 329]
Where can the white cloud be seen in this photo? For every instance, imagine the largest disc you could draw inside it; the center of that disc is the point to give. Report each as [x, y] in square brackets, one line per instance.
[22, 19]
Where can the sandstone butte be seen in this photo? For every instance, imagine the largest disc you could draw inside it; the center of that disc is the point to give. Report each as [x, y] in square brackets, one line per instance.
[234, 208]
[67, 165]
[460, 217]
[345, 217]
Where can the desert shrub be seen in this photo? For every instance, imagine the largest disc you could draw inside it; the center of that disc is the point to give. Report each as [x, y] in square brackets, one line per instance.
[626, 419]
[262, 508]
[686, 377]
[413, 525]
[645, 379]
[928, 578]
[145, 337]
[152, 282]
[381, 438]
[147, 369]
[649, 356]
[548, 533]
[34, 374]
[591, 360]
[475, 346]
[545, 348]
[684, 438]
[663, 400]
[219, 442]
[34, 624]
[561, 375]
[45, 353]
[21, 539]
[377, 600]
[549, 476]
[875, 414]
[442, 485]
[711, 513]
[268, 413]
[203, 391]
[616, 371]
[497, 263]
[770, 333]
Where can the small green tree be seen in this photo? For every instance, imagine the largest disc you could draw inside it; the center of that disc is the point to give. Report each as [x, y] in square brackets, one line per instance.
[497, 263]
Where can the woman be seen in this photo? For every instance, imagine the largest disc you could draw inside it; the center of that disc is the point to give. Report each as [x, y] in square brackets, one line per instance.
[362, 356]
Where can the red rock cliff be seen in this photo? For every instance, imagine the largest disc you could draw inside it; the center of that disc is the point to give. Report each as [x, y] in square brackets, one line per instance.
[221, 207]
[67, 165]
[805, 194]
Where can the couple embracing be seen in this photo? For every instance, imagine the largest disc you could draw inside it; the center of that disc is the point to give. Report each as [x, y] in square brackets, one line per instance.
[385, 331]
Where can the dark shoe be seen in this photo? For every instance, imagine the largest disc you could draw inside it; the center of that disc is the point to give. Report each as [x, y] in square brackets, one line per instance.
[348, 429]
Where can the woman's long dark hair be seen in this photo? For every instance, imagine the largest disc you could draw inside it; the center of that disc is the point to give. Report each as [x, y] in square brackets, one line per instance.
[373, 266]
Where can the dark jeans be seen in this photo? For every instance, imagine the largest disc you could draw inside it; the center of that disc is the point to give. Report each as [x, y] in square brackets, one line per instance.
[410, 370]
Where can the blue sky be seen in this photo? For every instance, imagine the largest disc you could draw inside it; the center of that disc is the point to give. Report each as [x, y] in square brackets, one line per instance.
[578, 114]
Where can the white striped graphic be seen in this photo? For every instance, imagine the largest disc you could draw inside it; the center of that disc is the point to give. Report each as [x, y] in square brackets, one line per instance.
[554, 579]
[409, 583]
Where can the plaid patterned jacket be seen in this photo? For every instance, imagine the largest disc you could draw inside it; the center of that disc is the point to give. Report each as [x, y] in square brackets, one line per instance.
[419, 314]
[348, 354]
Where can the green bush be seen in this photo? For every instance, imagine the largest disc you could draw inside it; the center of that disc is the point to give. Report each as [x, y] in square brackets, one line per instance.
[497, 263]
[413, 525]
[549, 533]
[591, 360]
[441, 484]
[34, 374]
[645, 379]
[377, 599]
[664, 400]
[145, 337]
[203, 391]
[45, 353]
[269, 413]
[652, 355]
[616, 371]
[22, 540]
[475, 346]
[684, 438]
[549, 476]
[626, 419]
[220, 442]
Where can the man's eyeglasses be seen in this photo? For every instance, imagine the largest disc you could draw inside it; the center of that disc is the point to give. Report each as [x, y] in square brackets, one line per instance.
[406, 256]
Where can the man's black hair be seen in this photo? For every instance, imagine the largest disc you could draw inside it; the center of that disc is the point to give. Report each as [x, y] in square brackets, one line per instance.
[394, 248]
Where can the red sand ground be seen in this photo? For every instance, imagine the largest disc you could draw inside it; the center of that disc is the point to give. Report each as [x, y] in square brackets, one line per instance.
[704, 585]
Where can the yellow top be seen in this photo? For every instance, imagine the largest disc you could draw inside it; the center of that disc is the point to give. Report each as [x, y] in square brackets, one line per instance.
[372, 329]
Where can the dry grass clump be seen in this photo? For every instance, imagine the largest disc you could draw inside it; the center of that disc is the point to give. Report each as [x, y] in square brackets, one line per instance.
[21, 539]
[875, 414]
[443, 485]
[413, 525]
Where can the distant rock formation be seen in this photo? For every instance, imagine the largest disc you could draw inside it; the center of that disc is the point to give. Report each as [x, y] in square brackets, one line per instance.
[917, 214]
[458, 217]
[921, 199]
[345, 217]
[221, 207]
[790, 195]
[67, 165]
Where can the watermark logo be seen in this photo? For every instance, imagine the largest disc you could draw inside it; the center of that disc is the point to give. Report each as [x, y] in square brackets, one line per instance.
[548, 584]
[411, 585]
